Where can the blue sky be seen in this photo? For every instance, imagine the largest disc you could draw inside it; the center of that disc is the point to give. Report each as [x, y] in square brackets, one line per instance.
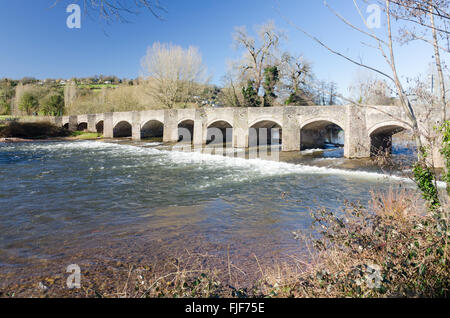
[36, 41]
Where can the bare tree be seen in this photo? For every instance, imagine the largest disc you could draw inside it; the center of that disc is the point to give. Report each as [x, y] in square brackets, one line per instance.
[119, 10]
[173, 74]
[258, 53]
[231, 92]
[432, 18]
[371, 90]
[296, 77]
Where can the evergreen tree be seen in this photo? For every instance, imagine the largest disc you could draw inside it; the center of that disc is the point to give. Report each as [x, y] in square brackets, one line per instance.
[251, 98]
[271, 78]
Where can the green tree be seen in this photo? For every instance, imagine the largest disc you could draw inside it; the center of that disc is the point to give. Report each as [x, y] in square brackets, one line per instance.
[299, 98]
[271, 79]
[53, 105]
[5, 106]
[28, 103]
[251, 98]
[7, 92]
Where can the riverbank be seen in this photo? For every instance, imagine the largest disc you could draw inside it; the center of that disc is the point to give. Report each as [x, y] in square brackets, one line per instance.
[28, 132]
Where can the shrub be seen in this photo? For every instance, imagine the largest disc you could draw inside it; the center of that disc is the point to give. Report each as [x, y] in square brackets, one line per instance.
[53, 105]
[28, 103]
[394, 249]
[33, 130]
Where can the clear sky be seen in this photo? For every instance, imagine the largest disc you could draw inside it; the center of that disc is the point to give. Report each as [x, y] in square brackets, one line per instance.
[36, 41]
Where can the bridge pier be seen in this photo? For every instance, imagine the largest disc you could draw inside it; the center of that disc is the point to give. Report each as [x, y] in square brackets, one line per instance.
[108, 125]
[59, 121]
[240, 128]
[91, 123]
[170, 125]
[357, 141]
[199, 137]
[73, 123]
[291, 131]
[136, 126]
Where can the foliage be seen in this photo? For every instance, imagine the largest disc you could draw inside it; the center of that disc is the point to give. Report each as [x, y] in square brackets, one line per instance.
[425, 179]
[298, 98]
[445, 129]
[7, 93]
[28, 103]
[53, 105]
[424, 174]
[40, 130]
[271, 79]
[392, 249]
[251, 98]
[5, 107]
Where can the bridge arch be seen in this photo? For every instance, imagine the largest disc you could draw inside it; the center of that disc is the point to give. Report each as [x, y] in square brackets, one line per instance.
[122, 129]
[321, 133]
[319, 121]
[265, 122]
[152, 128]
[219, 132]
[388, 126]
[65, 122]
[99, 126]
[381, 136]
[186, 130]
[265, 131]
[82, 126]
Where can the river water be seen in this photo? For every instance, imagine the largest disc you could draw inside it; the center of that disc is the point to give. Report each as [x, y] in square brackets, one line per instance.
[109, 200]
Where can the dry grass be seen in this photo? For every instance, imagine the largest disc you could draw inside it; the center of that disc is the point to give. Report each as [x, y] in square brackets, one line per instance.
[393, 249]
[122, 98]
[399, 204]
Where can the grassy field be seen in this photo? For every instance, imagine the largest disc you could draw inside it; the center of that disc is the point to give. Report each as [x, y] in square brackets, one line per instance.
[6, 117]
[98, 86]
[86, 135]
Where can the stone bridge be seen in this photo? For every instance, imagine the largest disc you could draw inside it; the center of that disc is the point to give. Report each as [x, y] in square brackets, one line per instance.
[365, 129]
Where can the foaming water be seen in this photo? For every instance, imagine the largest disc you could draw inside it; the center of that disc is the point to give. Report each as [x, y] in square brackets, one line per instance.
[60, 197]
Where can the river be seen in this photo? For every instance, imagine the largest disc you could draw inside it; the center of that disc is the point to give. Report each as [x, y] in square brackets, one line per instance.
[94, 201]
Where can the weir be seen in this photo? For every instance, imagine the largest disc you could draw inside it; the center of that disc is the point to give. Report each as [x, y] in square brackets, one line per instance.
[366, 130]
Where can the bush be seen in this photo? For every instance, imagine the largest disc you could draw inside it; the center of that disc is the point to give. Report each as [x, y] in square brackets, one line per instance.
[5, 107]
[393, 249]
[28, 103]
[53, 105]
[32, 130]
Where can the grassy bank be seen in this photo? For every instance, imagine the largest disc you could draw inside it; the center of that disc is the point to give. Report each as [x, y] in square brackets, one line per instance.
[83, 135]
